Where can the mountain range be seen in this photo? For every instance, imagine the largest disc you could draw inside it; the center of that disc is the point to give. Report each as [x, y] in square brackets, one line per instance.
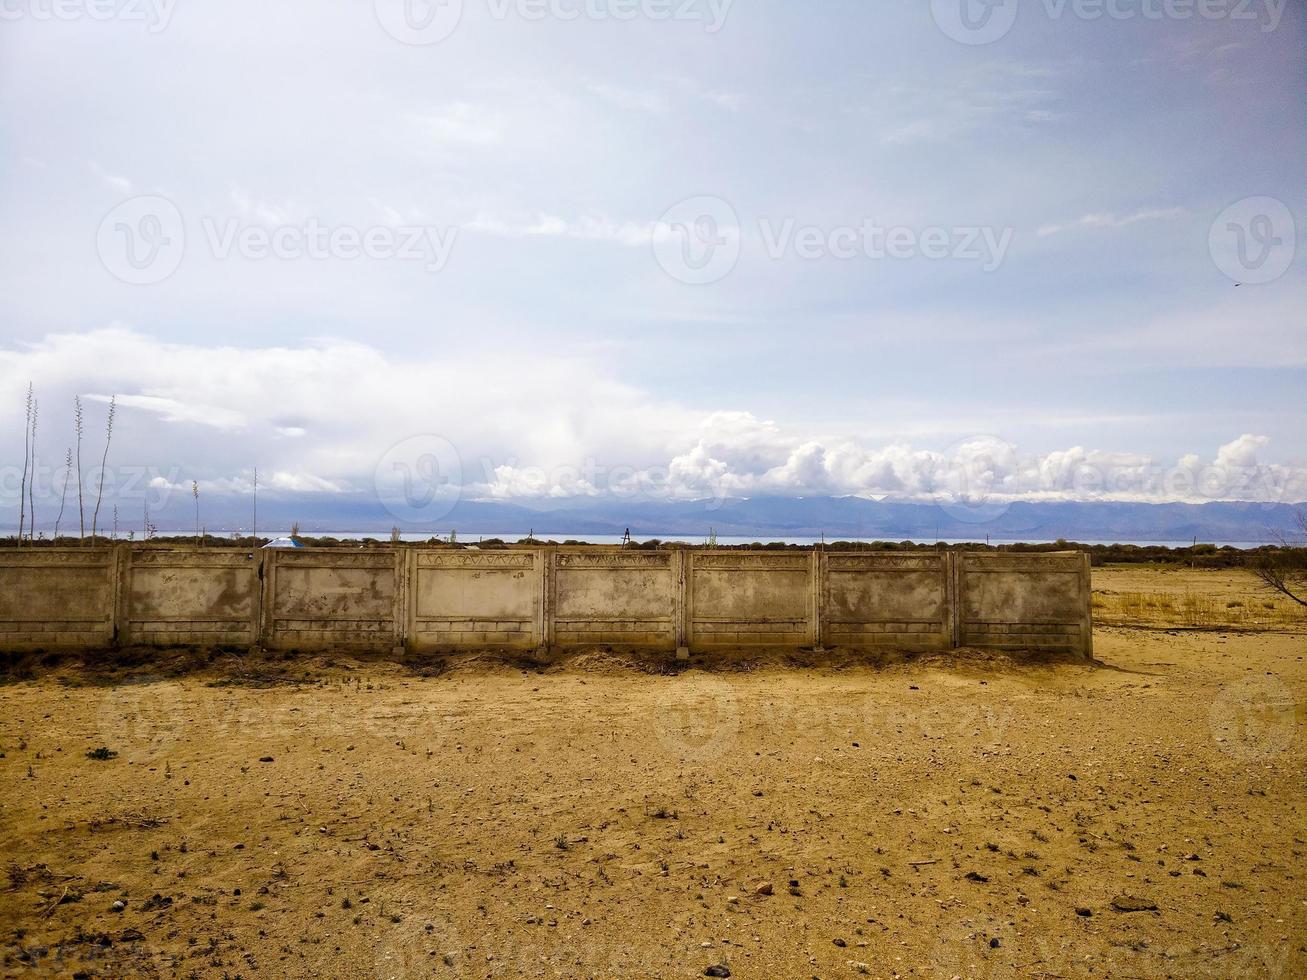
[769, 517]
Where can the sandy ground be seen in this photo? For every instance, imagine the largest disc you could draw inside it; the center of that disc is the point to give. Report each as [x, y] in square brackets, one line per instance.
[968, 816]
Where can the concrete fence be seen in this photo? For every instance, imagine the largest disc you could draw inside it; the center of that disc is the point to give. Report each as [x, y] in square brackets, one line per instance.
[422, 599]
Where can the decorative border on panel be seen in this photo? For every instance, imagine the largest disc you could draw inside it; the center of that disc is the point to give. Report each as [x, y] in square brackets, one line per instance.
[884, 563]
[47, 557]
[1061, 564]
[657, 562]
[752, 561]
[475, 561]
[172, 559]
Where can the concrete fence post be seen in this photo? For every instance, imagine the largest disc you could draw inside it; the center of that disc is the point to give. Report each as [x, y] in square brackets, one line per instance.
[819, 612]
[953, 596]
[1086, 606]
[546, 597]
[267, 594]
[400, 613]
[681, 598]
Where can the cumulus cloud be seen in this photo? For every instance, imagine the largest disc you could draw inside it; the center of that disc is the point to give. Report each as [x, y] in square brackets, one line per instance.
[734, 454]
[322, 419]
[326, 412]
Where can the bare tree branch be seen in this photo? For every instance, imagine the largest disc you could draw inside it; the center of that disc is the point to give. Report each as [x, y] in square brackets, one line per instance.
[1284, 570]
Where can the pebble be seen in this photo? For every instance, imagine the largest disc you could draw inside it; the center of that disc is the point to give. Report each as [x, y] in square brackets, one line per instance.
[118, 906]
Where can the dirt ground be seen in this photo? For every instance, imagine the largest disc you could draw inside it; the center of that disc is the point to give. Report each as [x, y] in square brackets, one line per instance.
[961, 816]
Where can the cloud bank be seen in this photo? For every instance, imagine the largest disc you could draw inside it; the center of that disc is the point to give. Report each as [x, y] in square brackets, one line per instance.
[329, 416]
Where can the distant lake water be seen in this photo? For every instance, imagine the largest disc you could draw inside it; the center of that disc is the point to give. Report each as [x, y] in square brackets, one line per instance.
[471, 537]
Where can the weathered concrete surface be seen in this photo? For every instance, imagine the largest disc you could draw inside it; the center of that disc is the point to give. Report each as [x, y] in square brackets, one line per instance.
[899, 602]
[741, 599]
[190, 598]
[623, 598]
[524, 599]
[56, 598]
[476, 599]
[330, 597]
[1024, 602]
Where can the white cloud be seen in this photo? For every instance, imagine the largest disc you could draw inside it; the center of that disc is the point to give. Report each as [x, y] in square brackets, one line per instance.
[589, 229]
[730, 101]
[172, 410]
[320, 418]
[461, 123]
[261, 211]
[632, 100]
[1110, 220]
[1242, 452]
[734, 454]
[120, 184]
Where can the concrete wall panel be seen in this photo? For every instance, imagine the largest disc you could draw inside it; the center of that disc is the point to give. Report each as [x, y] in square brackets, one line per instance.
[741, 599]
[1027, 602]
[57, 598]
[199, 598]
[331, 597]
[891, 601]
[615, 598]
[471, 599]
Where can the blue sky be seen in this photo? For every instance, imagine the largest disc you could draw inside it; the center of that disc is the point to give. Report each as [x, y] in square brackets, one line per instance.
[538, 169]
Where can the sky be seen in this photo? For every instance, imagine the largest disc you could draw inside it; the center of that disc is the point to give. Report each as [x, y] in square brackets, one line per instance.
[540, 249]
